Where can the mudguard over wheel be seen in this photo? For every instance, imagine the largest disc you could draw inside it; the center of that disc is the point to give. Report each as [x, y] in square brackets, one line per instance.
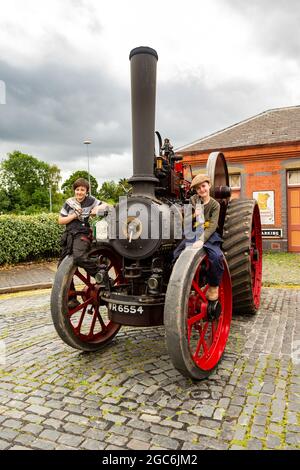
[243, 251]
[195, 341]
[85, 324]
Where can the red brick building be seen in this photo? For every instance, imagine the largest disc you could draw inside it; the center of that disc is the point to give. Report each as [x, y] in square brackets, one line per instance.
[263, 158]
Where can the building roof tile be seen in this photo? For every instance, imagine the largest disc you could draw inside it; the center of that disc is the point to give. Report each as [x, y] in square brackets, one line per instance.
[274, 126]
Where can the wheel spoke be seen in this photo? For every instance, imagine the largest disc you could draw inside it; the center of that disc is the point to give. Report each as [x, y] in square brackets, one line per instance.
[216, 327]
[79, 307]
[78, 327]
[201, 341]
[84, 279]
[198, 347]
[196, 318]
[199, 291]
[205, 347]
[75, 293]
[90, 335]
[204, 330]
[103, 326]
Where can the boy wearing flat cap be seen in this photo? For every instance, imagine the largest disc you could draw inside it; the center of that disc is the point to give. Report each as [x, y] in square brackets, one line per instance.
[209, 239]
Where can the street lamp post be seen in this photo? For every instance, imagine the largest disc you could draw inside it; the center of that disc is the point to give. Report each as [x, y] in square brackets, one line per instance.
[87, 143]
[50, 199]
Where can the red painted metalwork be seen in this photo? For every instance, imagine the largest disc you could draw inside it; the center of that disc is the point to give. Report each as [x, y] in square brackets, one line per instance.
[179, 167]
[206, 338]
[89, 320]
[256, 256]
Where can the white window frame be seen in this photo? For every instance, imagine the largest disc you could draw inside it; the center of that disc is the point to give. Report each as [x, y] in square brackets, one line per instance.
[235, 174]
[287, 178]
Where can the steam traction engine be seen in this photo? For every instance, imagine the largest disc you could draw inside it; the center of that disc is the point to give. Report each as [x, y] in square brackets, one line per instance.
[137, 283]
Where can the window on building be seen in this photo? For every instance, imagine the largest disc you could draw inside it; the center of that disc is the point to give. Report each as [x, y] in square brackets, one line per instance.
[235, 181]
[293, 178]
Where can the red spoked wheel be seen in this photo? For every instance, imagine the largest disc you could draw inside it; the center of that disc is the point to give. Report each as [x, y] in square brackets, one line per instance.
[196, 336]
[79, 315]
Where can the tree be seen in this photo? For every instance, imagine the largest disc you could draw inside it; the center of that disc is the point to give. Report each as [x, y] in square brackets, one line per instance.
[26, 182]
[110, 191]
[124, 185]
[5, 201]
[67, 186]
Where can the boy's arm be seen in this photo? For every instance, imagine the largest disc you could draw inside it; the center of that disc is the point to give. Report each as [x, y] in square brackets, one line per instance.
[212, 225]
[66, 219]
[98, 210]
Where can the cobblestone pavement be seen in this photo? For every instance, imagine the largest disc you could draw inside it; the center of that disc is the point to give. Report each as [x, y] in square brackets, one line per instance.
[129, 396]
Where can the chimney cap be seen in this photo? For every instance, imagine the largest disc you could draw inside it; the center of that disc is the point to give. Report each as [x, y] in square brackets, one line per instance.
[143, 50]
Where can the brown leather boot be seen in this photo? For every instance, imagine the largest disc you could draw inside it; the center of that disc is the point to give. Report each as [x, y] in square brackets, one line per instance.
[212, 293]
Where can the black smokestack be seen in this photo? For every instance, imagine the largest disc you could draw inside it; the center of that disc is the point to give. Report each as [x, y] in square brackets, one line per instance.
[143, 92]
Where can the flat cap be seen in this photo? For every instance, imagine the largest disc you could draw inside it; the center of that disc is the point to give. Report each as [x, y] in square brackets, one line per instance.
[199, 179]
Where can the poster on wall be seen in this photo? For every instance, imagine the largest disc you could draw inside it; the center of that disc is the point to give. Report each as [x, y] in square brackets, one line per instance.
[265, 201]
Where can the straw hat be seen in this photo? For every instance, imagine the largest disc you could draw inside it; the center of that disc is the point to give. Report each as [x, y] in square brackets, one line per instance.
[199, 179]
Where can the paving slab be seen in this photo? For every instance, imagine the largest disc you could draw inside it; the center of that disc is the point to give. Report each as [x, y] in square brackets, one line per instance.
[27, 276]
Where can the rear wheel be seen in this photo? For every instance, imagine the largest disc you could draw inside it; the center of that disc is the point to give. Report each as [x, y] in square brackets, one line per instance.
[243, 251]
[195, 336]
[79, 316]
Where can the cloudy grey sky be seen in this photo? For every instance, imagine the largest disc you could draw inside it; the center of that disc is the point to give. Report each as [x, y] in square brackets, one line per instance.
[66, 71]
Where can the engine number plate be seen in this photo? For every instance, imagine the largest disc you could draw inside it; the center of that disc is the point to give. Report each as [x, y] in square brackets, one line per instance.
[128, 309]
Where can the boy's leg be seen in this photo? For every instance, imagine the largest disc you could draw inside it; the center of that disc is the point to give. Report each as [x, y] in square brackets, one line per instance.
[81, 247]
[216, 269]
[178, 250]
[66, 244]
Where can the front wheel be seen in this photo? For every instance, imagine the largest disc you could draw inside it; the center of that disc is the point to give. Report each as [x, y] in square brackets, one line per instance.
[195, 337]
[79, 316]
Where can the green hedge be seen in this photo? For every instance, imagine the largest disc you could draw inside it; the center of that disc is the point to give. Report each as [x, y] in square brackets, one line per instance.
[28, 237]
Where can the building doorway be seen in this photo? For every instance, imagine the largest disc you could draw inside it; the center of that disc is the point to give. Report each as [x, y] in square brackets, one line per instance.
[293, 182]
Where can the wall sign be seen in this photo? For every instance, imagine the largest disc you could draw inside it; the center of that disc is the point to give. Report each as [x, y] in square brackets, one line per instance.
[272, 232]
[265, 201]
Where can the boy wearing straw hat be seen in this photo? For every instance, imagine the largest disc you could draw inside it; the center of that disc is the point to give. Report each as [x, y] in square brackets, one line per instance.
[208, 237]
